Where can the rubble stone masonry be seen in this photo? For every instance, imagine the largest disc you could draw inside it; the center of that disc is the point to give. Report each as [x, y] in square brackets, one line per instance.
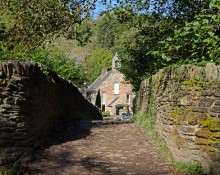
[185, 104]
[32, 106]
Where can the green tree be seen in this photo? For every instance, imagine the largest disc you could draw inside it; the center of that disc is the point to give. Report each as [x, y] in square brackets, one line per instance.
[98, 100]
[181, 10]
[94, 63]
[162, 38]
[53, 60]
[196, 42]
[141, 62]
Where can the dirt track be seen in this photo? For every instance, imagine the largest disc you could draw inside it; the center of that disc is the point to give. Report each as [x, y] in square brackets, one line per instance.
[101, 148]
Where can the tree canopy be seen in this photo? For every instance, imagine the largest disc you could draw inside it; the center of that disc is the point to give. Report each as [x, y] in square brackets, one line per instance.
[147, 34]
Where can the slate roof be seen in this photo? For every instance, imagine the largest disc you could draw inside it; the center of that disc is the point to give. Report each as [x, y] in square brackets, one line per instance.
[99, 81]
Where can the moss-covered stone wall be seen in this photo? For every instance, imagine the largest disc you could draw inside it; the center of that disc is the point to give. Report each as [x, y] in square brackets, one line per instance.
[184, 102]
[32, 106]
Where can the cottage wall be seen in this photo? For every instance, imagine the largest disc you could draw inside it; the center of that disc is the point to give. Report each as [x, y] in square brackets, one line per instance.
[105, 83]
[107, 87]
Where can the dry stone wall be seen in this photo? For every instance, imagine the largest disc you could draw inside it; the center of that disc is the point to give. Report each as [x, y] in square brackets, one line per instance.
[184, 102]
[32, 106]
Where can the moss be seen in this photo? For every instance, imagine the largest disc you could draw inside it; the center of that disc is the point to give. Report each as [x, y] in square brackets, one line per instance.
[193, 119]
[208, 139]
[175, 115]
[203, 141]
[206, 133]
[190, 130]
[197, 84]
[212, 152]
[209, 123]
[106, 114]
[208, 149]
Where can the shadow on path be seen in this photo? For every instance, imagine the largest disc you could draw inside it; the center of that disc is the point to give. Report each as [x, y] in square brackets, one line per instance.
[99, 148]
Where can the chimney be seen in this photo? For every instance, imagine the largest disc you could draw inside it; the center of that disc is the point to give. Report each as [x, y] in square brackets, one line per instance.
[104, 71]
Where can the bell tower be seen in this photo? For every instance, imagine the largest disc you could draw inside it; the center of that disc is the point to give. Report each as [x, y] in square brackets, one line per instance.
[115, 62]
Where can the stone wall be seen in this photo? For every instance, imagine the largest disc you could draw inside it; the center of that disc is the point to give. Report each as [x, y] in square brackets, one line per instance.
[184, 102]
[32, 106]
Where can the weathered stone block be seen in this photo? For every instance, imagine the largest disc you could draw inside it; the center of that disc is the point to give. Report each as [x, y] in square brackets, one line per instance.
[206, 133]
[6, 106]
[211, 71]
[216, 109]
[187, 130]
[206, 102]
[200, 109]
[192, 72]
[218, 68]
[207, 93]
[2, 110]
[217, 93]
[204, 141]
[217, 103]
[5, 135]
[7, 129]
[185, 101]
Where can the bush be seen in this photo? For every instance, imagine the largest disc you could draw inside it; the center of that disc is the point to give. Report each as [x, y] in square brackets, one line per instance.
[106, 114]
[50, 59]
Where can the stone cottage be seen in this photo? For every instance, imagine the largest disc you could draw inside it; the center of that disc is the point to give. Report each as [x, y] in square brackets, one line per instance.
[116, 95]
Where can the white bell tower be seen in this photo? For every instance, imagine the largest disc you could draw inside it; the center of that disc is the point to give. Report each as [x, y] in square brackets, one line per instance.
[115, 62]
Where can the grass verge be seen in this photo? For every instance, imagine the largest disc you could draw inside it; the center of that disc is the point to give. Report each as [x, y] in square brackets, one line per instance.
[189, 168]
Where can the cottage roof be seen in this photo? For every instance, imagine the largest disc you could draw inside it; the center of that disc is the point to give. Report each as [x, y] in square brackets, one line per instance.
[115, 65]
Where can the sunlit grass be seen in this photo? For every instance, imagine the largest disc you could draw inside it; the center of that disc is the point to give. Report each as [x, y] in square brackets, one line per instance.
[183, 168]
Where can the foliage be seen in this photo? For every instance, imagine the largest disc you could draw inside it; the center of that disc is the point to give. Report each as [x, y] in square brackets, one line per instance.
[190, 168]
[114, 27]
[51, 59]
[196, 42]
[141, 61]
[119, 106]
[147, 124]
[93, 64]
[26, 25]
[106, 114]
[163, 40]
[15, 170]
[98, 100]
[181, 10]
[109, 35]
[106, 31]
[82, 32]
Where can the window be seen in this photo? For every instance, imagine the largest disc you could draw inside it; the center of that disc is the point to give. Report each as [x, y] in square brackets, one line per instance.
[128, 99]
[103, 98]
[117, 64]
[103, 108]
[116, 88]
